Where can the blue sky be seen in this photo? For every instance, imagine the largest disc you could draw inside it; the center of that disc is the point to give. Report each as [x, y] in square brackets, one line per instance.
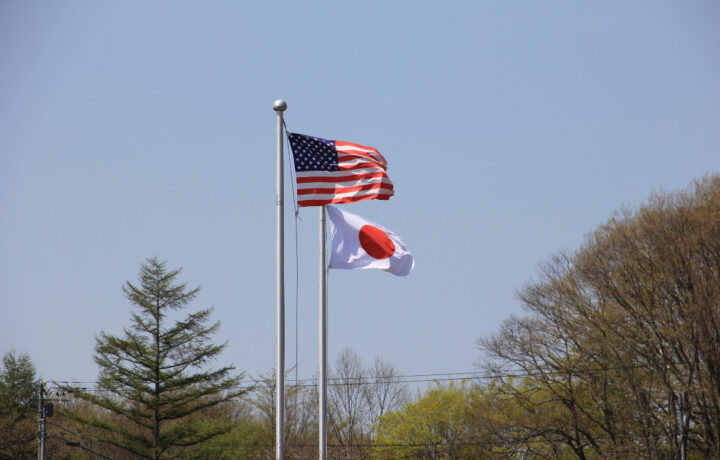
[138, 129]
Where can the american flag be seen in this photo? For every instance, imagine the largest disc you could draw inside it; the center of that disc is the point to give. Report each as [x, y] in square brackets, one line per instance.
[338, 172]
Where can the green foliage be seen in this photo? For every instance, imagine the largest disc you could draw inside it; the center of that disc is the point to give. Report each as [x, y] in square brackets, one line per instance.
[18, 406]
[438, 425]
[154, 379]
[245, 440]
[18, 385]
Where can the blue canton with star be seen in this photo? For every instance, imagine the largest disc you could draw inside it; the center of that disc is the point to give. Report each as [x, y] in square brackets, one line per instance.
[313, 153]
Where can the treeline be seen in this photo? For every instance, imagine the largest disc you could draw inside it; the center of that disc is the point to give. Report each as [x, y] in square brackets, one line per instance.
[620, 347]
[358, 395]
[617, 355]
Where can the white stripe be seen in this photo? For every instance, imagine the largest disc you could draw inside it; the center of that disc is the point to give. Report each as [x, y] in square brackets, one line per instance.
[357, 161]
[343, 148]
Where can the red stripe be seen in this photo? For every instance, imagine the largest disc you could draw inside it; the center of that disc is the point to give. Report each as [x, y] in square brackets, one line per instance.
[344, 178]
[348, 199]
[355, 188]
[345, 155]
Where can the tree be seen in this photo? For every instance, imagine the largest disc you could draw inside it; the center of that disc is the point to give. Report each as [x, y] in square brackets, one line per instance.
[347, 411]
[437, 425]
[18, 406]
[300, 415]
[245, 440]
[357, 396]
[386, 393]
[615, 331]
[155, 380]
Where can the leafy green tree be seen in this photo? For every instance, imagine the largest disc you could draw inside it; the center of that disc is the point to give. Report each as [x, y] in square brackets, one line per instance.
[155, 380]
[18, 406]
[438, 425]
[245, 440]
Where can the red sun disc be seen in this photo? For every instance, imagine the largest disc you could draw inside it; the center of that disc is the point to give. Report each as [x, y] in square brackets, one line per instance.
[376, 243]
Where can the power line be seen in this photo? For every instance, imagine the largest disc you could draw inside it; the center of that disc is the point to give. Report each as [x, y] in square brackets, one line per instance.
[398, 379]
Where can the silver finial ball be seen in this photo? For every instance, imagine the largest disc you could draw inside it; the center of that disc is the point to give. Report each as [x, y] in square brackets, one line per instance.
[279, 105]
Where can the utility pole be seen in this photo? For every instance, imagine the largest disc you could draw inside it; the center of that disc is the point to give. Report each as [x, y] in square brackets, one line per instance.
[41, 423]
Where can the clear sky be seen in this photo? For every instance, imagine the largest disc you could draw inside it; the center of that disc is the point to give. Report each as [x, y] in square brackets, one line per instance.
[136, 129]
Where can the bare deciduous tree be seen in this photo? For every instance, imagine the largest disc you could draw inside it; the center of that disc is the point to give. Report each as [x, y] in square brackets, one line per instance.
[387, 393]
[615, 331]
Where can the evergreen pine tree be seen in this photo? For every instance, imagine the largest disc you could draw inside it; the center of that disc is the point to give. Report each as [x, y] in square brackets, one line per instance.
[155, 380]
[18, 406]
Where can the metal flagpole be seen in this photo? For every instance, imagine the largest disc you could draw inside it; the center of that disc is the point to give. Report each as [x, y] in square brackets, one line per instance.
[322, 391]
[279, 108]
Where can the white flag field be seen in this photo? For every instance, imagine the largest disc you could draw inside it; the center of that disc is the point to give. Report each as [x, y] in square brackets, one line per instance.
[358, 243]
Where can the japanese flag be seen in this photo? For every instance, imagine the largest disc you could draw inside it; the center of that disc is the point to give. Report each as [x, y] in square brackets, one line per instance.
[359, 243]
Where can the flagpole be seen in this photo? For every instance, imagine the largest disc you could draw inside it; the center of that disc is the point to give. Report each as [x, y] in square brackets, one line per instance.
[322, 392]
[279, 106]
